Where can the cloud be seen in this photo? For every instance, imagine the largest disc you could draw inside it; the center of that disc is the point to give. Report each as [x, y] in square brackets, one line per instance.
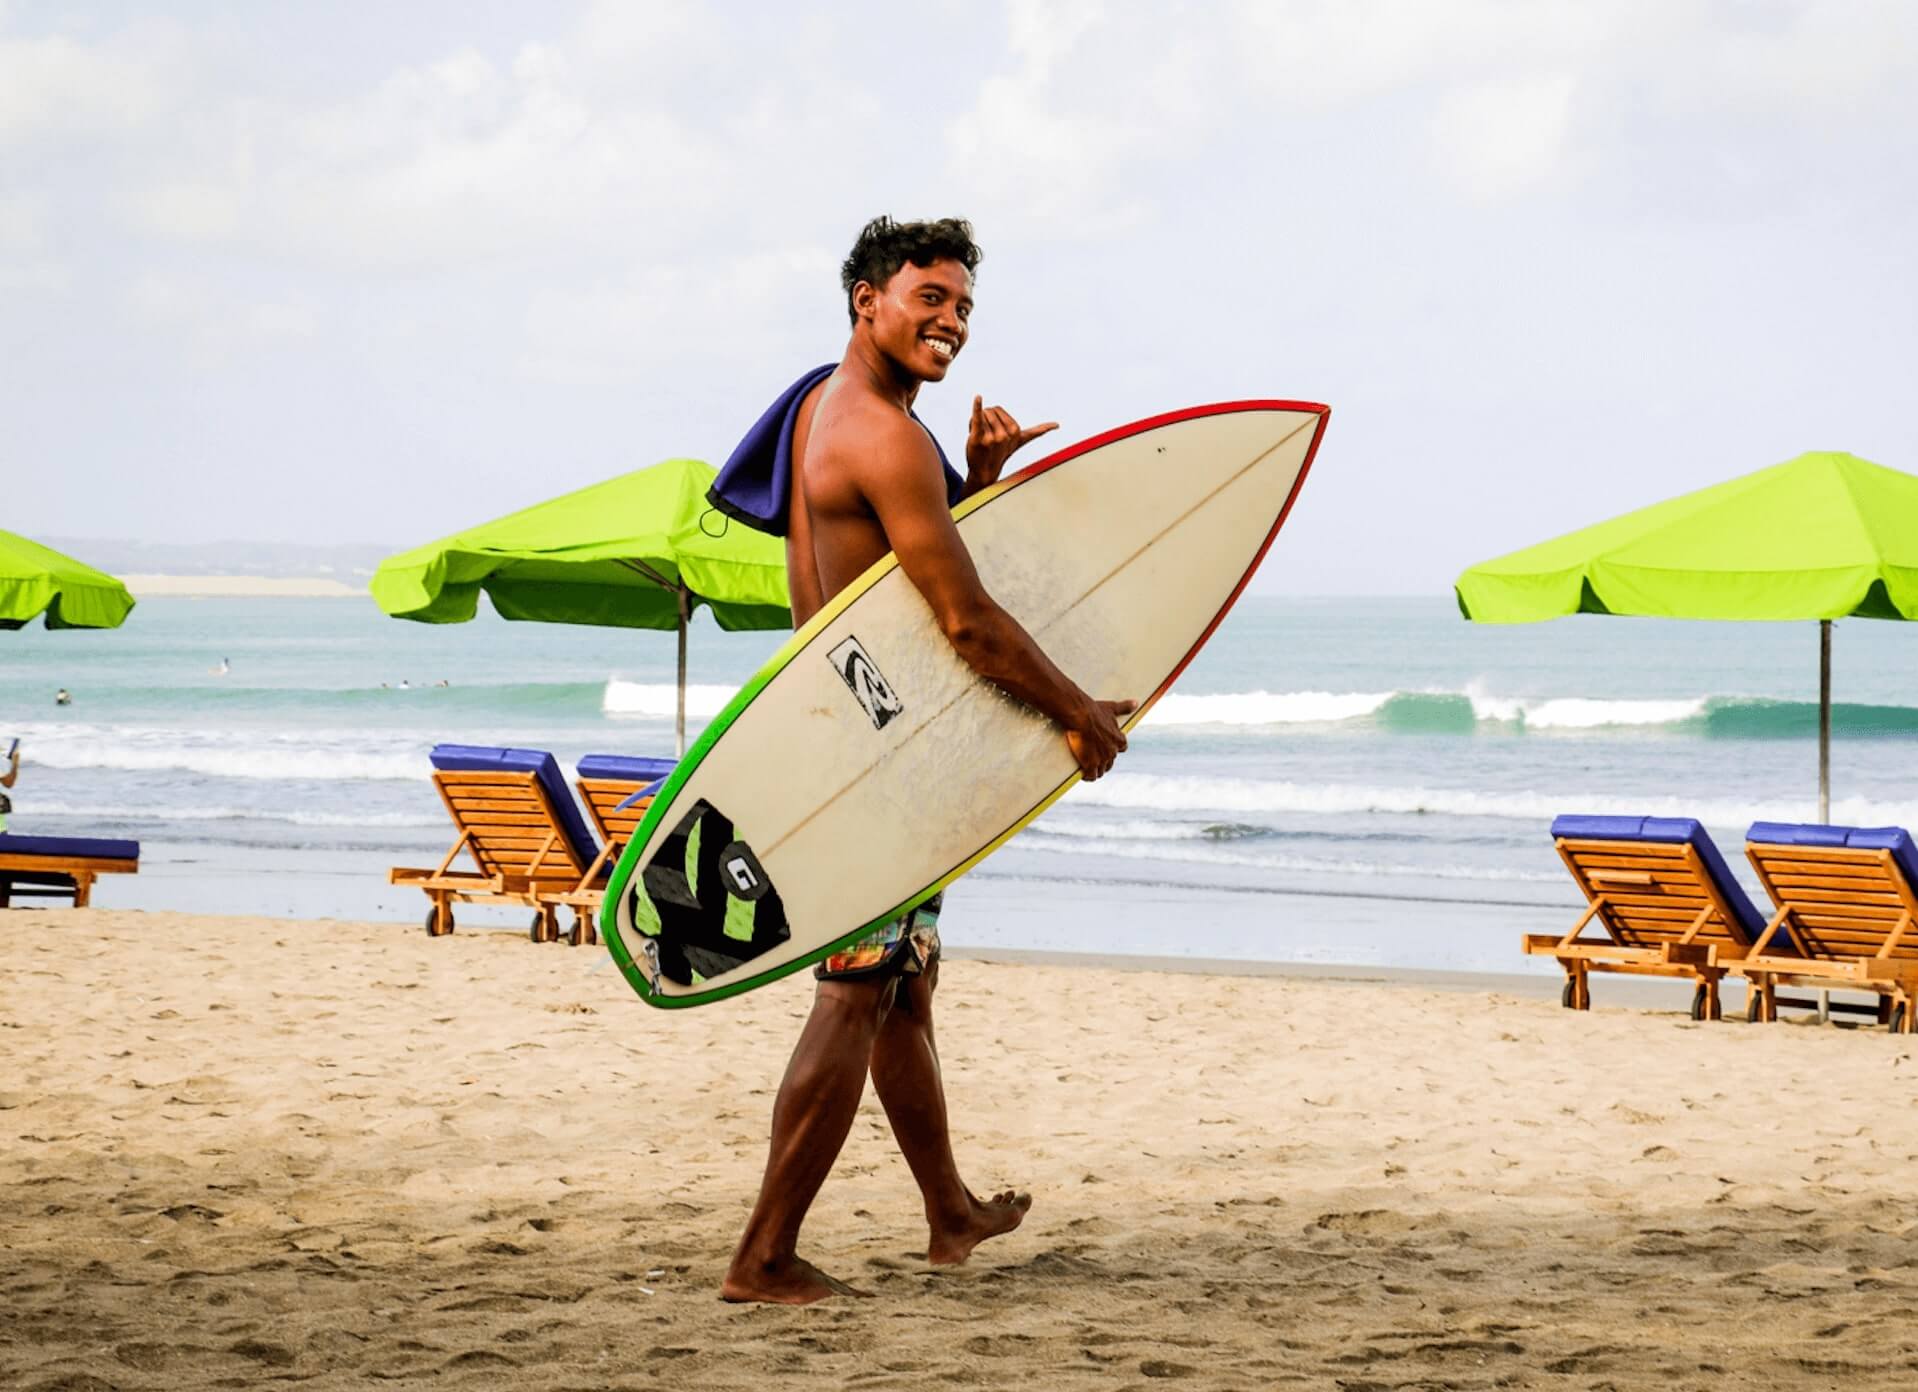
[215, 321]
[1510, 91]
[1497, 138]
[444, 164]
[23, 223]
[761, 306]
[27, 261]
[1054, 137]
[1321, 53]
[189, 210]
[1837, 59]
[56, 86]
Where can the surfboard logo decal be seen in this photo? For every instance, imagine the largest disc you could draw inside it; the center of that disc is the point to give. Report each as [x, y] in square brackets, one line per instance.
[867, 684]
[746, 877]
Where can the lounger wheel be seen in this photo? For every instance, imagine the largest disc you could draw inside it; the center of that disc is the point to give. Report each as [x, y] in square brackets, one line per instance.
[538, 931]
[582, 933]
[1567, 996]
[439, 920]
[1700, 998]
[1896, 1024]
[1754, 1007]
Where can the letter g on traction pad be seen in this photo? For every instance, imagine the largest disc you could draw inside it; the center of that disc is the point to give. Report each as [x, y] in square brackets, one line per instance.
[704, 902]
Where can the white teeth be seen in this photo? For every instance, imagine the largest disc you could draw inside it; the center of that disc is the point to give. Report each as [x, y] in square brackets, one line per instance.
[940, 346]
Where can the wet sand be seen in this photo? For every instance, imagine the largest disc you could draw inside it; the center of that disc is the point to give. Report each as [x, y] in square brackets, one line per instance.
[241, 1151]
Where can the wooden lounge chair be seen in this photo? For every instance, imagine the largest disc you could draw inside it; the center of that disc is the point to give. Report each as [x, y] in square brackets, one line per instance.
[519, 826]
[1665, 898]
[616, 790]
[60, 867]
[1847, 917]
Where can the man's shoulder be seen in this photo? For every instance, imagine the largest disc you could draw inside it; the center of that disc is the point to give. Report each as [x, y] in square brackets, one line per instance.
[860, 424]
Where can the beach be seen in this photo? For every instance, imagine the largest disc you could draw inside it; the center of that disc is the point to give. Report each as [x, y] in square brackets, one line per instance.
[242, 1150]
[241, 587]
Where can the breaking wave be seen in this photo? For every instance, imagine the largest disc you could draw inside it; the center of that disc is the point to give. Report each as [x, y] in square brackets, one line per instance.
[1463, 712]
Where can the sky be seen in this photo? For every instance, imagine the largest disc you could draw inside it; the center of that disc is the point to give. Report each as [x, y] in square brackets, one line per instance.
[373, 273]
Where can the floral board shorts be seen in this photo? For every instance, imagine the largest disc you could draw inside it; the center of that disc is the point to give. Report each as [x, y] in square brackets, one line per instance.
[906, 946]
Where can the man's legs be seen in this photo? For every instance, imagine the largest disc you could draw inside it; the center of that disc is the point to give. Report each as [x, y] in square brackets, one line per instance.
[905, 1072]
[814, 1112]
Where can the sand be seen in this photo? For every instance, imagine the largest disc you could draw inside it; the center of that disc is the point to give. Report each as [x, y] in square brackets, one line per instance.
[242, 1151]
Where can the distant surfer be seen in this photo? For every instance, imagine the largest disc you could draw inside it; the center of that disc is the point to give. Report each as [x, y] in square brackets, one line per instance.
[62, 697]
[842, 468]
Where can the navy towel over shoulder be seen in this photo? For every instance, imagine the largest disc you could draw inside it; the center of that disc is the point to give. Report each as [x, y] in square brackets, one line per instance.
[755, 484]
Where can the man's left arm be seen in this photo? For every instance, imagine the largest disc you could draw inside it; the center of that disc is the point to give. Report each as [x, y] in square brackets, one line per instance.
[992, 437]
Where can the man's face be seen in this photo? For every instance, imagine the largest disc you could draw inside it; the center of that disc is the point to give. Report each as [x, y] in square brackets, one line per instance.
[919, 319]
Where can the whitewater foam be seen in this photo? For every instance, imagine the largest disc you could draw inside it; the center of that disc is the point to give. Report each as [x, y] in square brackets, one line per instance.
[1143, 829]
[1416, 708]
[1213, 853]
[1266, 708]
[324, 755]
[1589, 713]
[1171, 793]
[192, 813]
[659, 700]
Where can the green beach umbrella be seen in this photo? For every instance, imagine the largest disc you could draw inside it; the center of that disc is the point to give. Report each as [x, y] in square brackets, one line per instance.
[1822, 536]
[36, 580]
[643, 550]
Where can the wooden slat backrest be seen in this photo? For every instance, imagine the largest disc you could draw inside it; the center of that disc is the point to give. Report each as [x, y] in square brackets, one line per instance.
[603, 797]
[514, 828]
[1844, 902]
[1653, 892]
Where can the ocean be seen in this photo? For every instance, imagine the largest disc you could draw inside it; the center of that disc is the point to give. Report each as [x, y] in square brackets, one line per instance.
[1363, 781]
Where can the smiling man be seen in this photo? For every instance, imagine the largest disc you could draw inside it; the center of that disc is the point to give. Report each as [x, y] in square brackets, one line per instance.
[862, 477]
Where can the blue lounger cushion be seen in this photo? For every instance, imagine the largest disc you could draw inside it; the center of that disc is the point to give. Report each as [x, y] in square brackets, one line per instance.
[71, 847]
[1669, 831]
[636, 768]
[1894, 839]
[486, 758]
[650, 773]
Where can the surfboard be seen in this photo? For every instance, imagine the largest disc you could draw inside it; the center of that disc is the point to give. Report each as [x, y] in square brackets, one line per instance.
[865, 766]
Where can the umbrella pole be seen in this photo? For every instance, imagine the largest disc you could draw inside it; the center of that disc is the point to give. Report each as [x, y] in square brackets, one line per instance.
[1824, 721]
[679, 723]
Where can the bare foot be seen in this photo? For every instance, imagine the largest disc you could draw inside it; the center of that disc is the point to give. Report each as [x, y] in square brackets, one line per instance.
[794, 1281]
[987, 1218]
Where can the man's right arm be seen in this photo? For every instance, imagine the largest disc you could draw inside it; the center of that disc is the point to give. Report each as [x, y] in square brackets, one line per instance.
[910, 502]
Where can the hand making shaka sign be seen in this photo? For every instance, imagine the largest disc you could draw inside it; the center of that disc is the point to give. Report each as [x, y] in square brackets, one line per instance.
[991, 440]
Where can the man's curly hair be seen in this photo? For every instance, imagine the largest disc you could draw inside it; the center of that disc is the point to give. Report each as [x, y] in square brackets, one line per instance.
[884, 246]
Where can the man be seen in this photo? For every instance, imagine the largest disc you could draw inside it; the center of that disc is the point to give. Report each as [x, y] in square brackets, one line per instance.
[866, 478]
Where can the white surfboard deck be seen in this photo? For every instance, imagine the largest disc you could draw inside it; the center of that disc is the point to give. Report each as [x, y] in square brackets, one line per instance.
[866, 765]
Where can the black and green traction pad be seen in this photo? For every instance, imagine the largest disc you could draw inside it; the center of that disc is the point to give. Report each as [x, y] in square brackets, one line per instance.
[705, 901]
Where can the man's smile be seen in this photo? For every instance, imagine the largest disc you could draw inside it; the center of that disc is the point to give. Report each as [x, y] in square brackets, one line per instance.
[942, 347]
